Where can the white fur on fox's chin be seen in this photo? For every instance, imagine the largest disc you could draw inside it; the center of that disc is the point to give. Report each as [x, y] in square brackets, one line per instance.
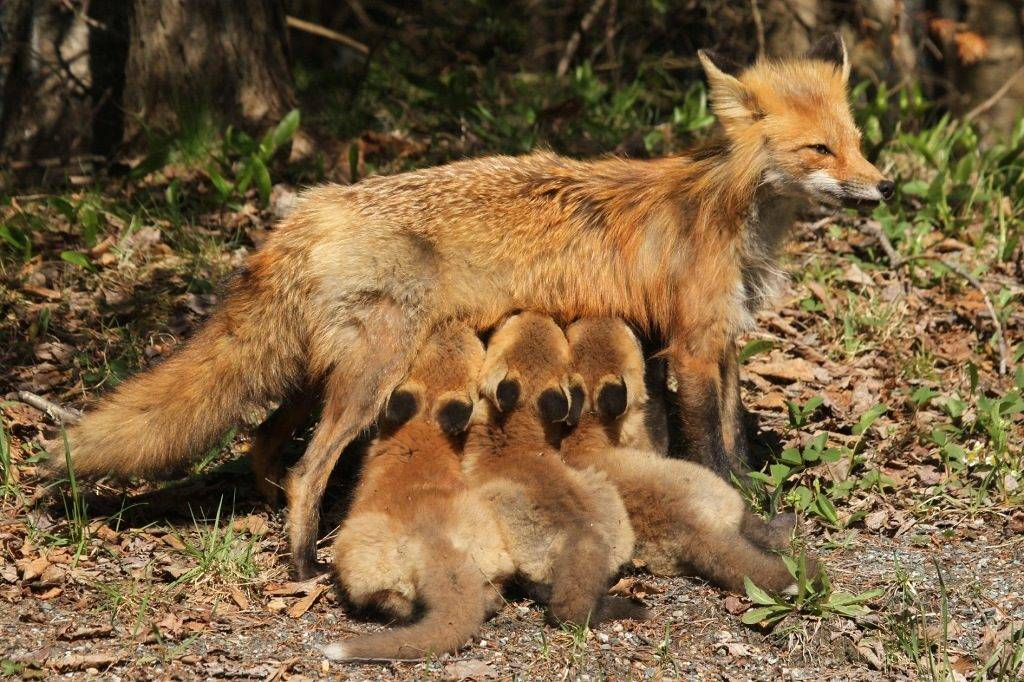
[821, 184]
[336, 652]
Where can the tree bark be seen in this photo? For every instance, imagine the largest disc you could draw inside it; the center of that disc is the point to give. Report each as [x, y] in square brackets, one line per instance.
[1001, 24]
[47, 105]
[228, 58]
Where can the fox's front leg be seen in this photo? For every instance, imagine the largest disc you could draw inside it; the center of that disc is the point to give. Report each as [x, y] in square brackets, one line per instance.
[734, 431]
[708, 411]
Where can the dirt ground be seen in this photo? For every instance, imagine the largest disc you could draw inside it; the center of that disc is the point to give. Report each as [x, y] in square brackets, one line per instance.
[190, 579]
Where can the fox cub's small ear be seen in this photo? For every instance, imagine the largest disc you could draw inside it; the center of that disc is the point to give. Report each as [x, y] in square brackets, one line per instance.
[733, 103]
[577, 400]
[612, 399]
[401, 407]
[831, 49]
[454, 416]
[553, 405]
[506, 395]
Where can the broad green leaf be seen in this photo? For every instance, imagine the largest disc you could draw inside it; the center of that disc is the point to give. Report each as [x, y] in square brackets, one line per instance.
[755, 347]
[262, 177]
[222, 186]
[756, 594]
[286, 128]
[869, 418]
[923, 396]
[765, 615]
[779, 473]
[76, 258]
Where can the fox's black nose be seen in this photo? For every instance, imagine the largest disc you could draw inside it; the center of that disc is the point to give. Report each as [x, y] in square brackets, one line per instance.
[886, 188]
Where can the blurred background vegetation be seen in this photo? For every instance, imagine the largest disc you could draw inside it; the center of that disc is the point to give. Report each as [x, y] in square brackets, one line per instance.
[92, 85]
[146, 147]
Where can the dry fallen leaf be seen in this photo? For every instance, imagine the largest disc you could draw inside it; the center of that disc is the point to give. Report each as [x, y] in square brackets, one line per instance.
[33, 568]
[85, 632]
[854, 275]
[735, 605]
[877, 519]
[50, 594]
[785, 371]
[72, 662]
[472, 669]
[736, 649]
[301, 606]
[252, 524]
[240, 598]
[294, 589]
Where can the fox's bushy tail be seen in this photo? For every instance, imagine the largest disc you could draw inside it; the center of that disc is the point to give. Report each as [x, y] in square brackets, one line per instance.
[454, 592]
[245, 355]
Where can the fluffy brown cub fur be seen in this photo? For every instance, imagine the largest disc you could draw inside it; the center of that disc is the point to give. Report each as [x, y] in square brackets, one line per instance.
[686, 518]
[566, 530]
[415, 536]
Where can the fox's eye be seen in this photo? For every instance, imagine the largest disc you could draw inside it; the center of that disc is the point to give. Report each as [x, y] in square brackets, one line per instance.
[821, 149]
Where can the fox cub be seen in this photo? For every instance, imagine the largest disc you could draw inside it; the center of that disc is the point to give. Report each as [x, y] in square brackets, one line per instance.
[686, 518]
[415, 535]
[567, 531]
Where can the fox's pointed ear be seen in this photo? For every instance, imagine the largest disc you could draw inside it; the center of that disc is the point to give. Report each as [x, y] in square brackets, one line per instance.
[733, 103]
[831, 49]
[577, 399]
[501, 389]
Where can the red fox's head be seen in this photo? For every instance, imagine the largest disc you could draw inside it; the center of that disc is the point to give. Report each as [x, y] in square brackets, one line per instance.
[797, 111]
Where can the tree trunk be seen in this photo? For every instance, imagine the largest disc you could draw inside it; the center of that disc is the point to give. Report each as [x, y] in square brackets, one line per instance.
[228, 58]
[1001, 24]
[47, 107]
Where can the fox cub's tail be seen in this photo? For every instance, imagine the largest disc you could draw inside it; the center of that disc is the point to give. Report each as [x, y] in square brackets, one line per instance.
[454, 592]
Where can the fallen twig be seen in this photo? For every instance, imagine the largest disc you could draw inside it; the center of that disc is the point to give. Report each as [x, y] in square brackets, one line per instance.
[61, 415]
[995, 97]
[324, 32]
[896, 261]
[406, 660]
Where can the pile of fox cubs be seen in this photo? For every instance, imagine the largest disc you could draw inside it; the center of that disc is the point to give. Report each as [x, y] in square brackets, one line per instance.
[530, 463]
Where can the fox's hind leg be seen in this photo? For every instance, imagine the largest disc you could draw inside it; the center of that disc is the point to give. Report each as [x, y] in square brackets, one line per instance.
[266, 458]
[579, 579]
[774, 534]
[725, 558]
[378, 351]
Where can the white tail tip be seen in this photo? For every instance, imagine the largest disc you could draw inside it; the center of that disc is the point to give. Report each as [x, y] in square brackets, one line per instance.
[336, 652]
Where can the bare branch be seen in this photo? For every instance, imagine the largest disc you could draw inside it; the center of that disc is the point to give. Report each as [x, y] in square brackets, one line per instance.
[61, 415]
[574, 40]
[324, 32]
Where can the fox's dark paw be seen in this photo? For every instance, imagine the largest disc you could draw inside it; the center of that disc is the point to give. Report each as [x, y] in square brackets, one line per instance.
[782, 528]
[311, 568]
[614, 607]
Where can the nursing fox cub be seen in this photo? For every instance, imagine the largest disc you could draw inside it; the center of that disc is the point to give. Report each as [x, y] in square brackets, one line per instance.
[686, 518]
[442, 529]
[346, 289]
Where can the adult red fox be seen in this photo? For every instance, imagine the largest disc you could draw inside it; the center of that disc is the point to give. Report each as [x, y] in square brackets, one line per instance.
[344, 290]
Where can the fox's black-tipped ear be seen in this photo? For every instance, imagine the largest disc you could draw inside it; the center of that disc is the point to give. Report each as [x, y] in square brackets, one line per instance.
[831, 49]
[612, 399]
[725, 64]
[577, 397]
[506, 395]
[454, 416]
[553, 405]
[734, 105]
[401, 407]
